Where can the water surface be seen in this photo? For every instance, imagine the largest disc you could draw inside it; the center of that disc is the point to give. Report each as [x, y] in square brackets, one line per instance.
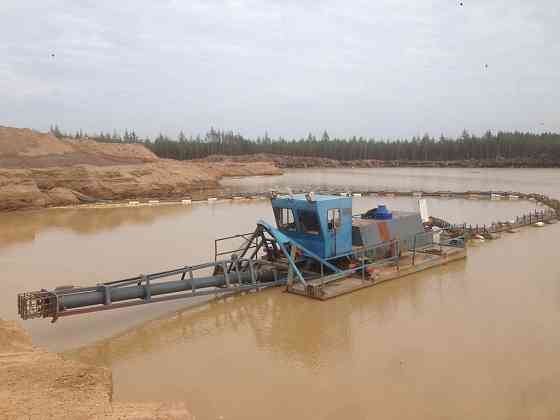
[475, 339]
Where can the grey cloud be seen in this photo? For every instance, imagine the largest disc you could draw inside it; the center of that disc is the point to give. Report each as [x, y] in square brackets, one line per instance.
[376, 68]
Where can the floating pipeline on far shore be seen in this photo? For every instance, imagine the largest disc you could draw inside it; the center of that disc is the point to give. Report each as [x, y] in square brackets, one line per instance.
[202, 197]
[549, 214]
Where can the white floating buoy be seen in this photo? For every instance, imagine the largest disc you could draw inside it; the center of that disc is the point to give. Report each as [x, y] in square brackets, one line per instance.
[357, 194]
[212, 199]
[186, 202]
[539, 224]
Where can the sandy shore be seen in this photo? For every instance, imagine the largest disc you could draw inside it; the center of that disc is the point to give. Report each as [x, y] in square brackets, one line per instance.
[37, 384]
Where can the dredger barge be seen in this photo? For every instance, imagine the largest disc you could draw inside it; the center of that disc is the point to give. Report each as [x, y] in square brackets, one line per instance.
[318, 248]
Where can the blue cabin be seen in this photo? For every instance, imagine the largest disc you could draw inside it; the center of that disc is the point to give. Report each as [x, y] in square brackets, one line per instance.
[324, 225]
[321, 223]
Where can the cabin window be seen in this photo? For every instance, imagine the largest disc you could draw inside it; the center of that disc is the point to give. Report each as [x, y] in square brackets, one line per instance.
[309, 222]
[333, 217]
[285, 218]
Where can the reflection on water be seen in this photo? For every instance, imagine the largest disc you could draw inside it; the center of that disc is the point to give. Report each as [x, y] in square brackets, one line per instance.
[19, 226]
[274, 319]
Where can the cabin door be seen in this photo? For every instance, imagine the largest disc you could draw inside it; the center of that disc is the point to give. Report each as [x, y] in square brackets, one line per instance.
[333, 218]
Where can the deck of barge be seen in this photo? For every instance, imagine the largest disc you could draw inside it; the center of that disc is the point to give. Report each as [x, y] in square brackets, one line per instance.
[408, 264]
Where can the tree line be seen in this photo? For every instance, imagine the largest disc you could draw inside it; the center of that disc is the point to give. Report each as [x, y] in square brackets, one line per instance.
[502, 145]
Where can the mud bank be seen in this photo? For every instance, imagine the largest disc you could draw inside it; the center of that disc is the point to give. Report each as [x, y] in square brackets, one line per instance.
[318, 162]
[37, 384]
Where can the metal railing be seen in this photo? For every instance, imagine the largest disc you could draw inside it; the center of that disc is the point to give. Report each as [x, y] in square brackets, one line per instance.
[391, 252]
[526, 219]
[219, 242]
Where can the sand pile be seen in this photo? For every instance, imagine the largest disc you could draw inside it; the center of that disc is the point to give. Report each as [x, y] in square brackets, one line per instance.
[25, 148]
[38, 170]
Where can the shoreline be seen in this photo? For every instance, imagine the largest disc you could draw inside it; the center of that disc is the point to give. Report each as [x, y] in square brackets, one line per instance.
[218, 193]
[221, 196]
[309, 162]
[38, 188]
[165, 181]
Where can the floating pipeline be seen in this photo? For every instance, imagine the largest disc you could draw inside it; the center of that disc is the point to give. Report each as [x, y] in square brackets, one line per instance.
[549, 202]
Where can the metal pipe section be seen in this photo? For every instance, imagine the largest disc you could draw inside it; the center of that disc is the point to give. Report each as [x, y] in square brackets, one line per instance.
[79, 298]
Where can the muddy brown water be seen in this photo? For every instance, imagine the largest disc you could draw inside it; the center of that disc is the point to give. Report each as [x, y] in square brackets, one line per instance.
[475, 339]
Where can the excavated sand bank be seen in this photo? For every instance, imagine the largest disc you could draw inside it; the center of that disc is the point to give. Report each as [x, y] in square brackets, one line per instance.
[39, 170]
[36, 384]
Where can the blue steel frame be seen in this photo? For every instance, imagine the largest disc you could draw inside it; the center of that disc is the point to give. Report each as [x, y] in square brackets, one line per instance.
[362, 254]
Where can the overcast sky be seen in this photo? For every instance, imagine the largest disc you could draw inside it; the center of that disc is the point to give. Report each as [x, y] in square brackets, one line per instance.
[377, 68]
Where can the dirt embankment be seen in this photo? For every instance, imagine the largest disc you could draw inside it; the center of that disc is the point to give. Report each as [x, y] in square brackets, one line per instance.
[37, 384]
[283, 161]
[39, 170]
[60, 186]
